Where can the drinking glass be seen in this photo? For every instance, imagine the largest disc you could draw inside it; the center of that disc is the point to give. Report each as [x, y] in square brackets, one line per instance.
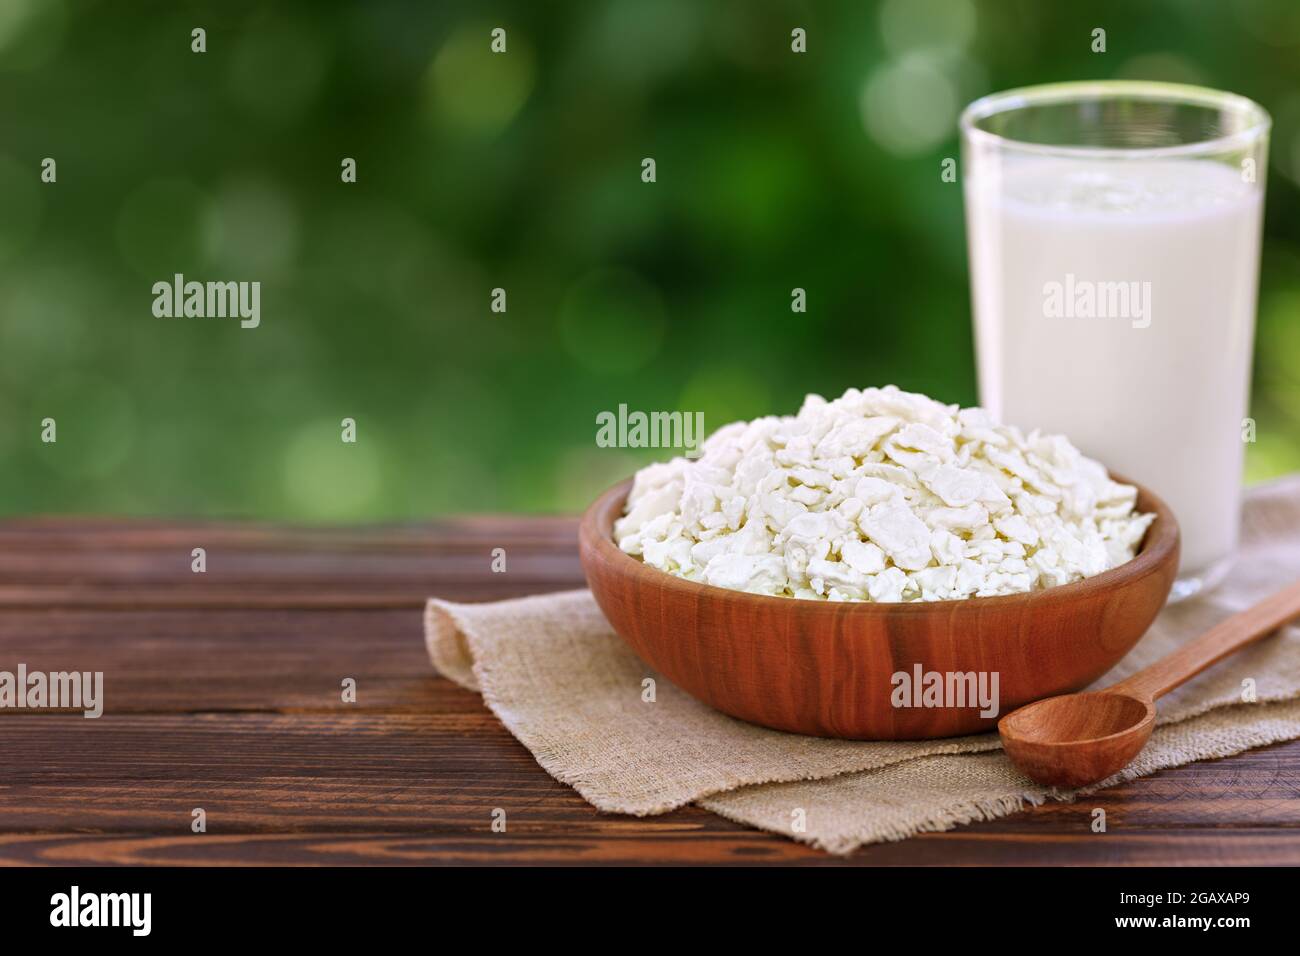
[1114, 234]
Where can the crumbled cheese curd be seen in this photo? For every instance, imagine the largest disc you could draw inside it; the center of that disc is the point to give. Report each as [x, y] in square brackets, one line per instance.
[881, 495]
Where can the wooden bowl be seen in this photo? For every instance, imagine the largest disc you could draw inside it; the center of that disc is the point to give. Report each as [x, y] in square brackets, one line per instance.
[827, 668]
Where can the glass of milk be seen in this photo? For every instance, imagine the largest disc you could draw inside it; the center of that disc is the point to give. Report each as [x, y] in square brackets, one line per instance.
[1113, 232]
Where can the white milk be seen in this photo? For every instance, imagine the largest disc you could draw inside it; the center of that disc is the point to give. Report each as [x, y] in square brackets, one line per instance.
[1158, 391]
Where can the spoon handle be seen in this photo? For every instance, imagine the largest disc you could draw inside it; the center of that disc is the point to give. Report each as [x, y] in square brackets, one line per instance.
[1226, 637]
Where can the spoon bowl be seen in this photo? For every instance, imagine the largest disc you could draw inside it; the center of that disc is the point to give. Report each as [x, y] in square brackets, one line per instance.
[1077, 739]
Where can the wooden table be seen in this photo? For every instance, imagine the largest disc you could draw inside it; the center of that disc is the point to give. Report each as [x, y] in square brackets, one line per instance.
[223, 691]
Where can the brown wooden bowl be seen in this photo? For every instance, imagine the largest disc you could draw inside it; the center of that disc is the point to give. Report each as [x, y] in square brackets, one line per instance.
[827, 668]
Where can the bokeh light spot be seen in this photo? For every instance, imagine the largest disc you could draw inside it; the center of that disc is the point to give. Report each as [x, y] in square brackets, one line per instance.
[909, 106]
[14, 15]
[250, 226]
[30, 32]
[47, 311]
[327, 478]
[474, 92]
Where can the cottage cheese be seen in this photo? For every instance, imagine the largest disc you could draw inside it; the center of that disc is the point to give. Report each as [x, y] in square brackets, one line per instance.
[881, 495]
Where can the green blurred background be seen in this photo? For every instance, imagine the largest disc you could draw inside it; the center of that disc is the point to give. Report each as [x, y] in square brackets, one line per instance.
[522, 170]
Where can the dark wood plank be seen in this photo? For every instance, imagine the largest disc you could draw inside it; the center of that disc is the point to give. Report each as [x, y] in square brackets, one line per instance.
[222, 660]
[111, 565]
[407, 788]
[670, 842]
[674, 840]
[324, 596]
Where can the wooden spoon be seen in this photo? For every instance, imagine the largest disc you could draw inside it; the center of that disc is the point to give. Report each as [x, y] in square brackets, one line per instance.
[1077, 739]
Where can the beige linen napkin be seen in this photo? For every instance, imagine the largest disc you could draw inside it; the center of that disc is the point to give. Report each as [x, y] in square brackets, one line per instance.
[573, 693]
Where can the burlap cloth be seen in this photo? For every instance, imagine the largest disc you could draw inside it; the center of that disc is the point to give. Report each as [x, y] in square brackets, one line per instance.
[571, 691]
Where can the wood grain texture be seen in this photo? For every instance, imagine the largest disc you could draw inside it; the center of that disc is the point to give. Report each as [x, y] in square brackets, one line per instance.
[237, 710]
[117, 564]
[827, 667]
